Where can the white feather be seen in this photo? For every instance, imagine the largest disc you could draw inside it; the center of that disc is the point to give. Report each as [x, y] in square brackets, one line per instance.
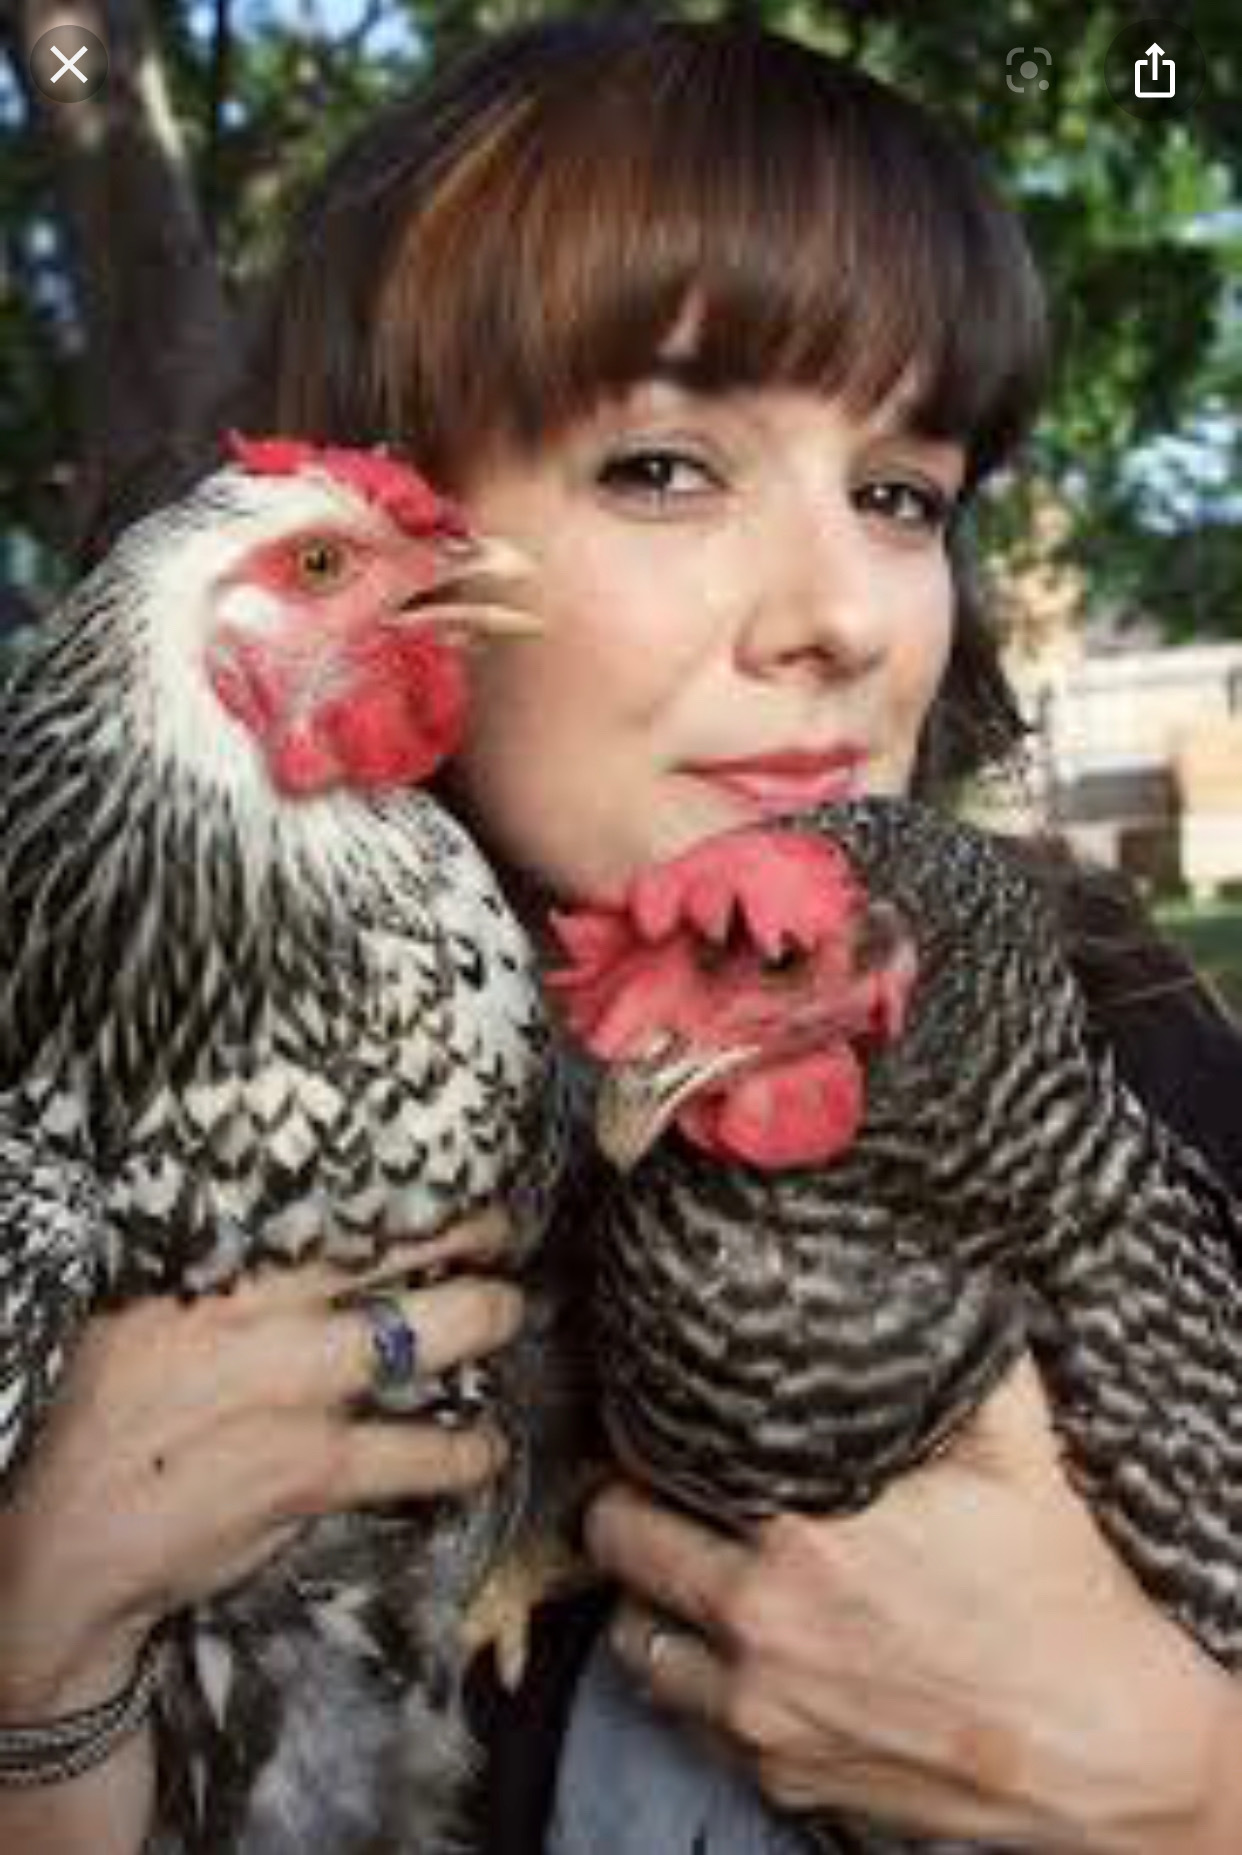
[213, 1661]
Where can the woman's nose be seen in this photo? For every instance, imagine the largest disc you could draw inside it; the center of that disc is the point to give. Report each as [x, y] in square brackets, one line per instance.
[818, 603]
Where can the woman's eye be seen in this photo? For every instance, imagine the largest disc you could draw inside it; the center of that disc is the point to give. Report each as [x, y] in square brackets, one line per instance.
[909, 505]
[654, 475]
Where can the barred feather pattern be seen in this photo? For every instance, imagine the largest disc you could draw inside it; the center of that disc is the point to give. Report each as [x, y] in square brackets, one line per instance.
[51, 1209]
[794, 1341]
[231, 1032]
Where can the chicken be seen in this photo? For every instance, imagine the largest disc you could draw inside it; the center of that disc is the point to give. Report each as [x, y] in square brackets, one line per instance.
[869, 1149]
[263, 1000]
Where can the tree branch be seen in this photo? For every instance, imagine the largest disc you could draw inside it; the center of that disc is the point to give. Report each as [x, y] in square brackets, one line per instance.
[145, 274]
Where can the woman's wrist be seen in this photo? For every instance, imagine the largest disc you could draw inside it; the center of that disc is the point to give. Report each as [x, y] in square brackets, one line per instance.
[1211, 1816]
[67, 1645]
[1177, 1780]
[56, 1749]
[54, 1666]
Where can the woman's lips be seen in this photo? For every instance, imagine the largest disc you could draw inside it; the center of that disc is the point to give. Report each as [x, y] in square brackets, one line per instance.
[793, 781]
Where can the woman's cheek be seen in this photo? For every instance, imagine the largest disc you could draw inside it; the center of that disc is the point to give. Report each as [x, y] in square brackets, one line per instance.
[922, 664]
[917, 663]
[526, 784]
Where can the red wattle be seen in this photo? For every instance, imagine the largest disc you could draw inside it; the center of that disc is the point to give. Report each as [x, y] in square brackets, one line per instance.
[378, 742]
[302, 764]
[399, 714]
[801, 1114]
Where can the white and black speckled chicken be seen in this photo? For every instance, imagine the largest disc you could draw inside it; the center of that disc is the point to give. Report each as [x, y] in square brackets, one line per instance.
[870, 1150]
[260, 1000]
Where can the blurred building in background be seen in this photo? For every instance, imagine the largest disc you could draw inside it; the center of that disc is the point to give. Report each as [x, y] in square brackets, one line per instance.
[1137, 751]
[1139, 760]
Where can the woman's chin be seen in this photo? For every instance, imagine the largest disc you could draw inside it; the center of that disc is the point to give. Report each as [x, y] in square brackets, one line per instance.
[709, 816]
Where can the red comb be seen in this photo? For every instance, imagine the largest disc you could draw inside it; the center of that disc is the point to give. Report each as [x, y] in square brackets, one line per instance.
[392, 485]
[784, 887]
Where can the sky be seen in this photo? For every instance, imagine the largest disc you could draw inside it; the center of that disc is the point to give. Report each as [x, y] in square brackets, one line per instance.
[323, 18]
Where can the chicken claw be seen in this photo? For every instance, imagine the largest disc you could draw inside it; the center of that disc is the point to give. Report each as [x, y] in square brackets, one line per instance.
[543, 1566]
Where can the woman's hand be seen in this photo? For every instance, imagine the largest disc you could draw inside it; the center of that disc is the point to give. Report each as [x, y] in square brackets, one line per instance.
[190, 1442]
[967, 1657]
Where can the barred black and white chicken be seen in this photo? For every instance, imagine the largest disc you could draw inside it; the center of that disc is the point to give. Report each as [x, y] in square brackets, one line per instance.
[261, 999]
[869, 1150]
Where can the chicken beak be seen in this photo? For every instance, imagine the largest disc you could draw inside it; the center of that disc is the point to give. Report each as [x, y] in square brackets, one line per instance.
[640, 1097]
[471, 593]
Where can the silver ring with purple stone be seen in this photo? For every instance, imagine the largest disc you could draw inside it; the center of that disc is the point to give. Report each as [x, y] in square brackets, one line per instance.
[394, 1350]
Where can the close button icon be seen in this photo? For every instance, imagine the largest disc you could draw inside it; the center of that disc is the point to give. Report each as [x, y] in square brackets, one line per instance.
[69, 64]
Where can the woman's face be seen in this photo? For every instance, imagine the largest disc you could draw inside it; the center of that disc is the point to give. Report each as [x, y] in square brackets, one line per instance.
[748, 604]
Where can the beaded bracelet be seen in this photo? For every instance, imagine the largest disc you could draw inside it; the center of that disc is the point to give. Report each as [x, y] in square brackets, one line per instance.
[59, 1749]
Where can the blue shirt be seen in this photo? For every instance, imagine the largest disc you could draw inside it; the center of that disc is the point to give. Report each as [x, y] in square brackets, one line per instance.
[634, 1782]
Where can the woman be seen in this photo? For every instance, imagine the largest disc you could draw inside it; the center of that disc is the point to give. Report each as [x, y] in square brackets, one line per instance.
[727, 336]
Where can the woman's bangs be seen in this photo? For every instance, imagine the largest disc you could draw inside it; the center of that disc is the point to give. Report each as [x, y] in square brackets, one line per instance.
[822, 232]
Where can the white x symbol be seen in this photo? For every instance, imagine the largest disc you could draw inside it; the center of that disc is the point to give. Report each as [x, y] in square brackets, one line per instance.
[67, 64]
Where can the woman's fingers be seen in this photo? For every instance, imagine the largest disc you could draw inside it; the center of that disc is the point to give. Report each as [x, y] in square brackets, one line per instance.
[189, 1442]
[456, 1321]
[675, 1665]
[672, 1562]
[482, 1238]
[327, 1468]
[314, 1348]
[397, 1461]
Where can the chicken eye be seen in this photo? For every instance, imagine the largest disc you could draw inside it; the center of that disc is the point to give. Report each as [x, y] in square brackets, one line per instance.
[321, 564]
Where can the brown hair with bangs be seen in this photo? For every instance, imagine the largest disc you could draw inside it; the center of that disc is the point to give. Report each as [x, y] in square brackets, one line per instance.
[522, 237]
